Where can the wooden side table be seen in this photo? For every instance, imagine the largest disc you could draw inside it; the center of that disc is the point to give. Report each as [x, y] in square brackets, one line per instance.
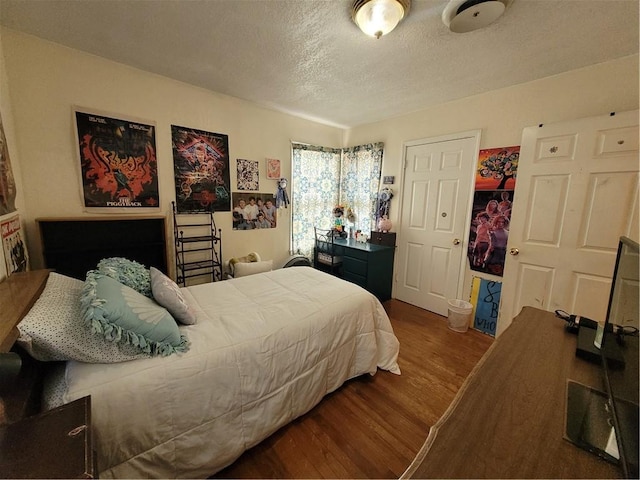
[53, 444]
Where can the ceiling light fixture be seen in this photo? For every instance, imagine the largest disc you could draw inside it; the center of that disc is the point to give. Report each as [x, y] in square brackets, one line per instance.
[463, 16]
[379, 17]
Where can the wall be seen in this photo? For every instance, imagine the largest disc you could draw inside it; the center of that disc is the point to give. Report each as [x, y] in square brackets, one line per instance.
[10, 137]
[46, 80]
[502, 115]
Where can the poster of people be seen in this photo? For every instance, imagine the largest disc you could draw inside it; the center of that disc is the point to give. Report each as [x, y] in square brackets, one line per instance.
[15, 250]
[118, 160]
[253, 210]
[7, 182]
[497, 168]
[489, 231]
[201, 170]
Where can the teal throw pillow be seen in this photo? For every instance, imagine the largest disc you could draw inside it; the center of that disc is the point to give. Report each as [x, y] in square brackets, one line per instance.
[128, 272]
[123, 315]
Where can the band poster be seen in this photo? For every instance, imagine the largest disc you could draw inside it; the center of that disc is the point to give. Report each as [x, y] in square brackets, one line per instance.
[201, 170]
[254, 210]
[118, 160]
[14, 248]
[7, 182]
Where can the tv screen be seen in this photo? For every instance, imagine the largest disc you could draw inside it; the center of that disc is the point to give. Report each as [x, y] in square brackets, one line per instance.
[621, 330]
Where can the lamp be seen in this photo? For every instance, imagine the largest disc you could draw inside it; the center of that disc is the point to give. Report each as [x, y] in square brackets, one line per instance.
[379, 17]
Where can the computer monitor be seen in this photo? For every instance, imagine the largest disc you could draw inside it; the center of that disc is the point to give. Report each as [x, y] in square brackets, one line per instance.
[606, 423]
[621, 328]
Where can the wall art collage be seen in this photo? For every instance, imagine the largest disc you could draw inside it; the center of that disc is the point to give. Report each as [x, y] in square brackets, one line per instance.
[119, 169]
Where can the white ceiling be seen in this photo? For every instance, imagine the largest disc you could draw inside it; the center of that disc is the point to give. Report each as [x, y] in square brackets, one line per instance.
[307, 57]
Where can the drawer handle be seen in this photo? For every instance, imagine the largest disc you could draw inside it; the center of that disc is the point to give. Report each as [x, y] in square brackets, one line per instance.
[77, 430]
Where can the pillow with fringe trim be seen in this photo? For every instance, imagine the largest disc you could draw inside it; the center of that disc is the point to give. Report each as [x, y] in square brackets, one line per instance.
[121, 314]
[128, 272]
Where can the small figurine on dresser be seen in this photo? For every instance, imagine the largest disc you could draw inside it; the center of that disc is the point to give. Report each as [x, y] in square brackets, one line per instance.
[338, 222]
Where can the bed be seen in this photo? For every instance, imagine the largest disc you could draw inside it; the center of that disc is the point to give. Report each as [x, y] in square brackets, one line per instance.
[264, 350]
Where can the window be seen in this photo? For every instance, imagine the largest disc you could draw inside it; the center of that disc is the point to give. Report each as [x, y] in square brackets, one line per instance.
[325, 177]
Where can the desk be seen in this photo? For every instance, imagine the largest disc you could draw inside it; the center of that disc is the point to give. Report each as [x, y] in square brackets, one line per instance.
[507, 420]
[367, 265]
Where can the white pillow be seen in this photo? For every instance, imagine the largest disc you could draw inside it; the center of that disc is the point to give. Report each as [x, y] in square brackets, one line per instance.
[244, 269]
[54, 329]
[167, 293]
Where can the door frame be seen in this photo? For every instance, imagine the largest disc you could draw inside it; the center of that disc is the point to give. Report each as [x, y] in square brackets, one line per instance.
[475, 134]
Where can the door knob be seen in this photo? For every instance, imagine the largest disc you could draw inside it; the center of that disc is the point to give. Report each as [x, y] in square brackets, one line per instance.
[514, 251]
[456, 241]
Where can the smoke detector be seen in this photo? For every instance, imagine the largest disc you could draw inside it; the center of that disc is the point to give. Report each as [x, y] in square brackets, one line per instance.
[463, 16]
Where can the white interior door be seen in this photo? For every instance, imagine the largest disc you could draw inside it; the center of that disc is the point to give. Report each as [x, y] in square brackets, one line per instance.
[577, 192]
[436, 205]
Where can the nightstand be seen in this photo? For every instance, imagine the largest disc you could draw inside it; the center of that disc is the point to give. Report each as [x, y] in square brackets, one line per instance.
[53, 444]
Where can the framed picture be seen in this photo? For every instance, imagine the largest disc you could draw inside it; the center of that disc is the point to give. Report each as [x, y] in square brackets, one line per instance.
[273, 168]
[118, 161]
[201, 170]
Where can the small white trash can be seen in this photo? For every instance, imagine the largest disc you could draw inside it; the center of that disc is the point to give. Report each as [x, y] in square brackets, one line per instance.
[459, 315]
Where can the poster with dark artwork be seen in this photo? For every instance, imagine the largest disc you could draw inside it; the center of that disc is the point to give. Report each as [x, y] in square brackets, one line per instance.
[497, 168]
[485, 298]
[7, 182]
[13, 245]
[248, 178]
[489, 230]
[201, 170]
[253, 211]
[118, 161]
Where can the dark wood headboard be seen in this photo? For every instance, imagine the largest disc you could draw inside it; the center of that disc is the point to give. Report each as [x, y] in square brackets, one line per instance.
[72, 246]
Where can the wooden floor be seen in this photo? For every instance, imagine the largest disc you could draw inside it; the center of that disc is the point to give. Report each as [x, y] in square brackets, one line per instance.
[372, 427]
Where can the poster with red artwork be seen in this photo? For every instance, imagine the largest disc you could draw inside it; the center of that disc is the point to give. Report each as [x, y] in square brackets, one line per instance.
[13, 245]
[118, 162]
[497, 168]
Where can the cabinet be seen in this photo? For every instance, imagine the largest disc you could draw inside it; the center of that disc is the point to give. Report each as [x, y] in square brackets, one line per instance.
[368, 265]
[198, 246]
[54, 444]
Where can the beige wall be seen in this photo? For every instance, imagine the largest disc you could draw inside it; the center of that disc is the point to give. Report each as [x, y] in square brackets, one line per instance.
[46, 80]
[502, 115]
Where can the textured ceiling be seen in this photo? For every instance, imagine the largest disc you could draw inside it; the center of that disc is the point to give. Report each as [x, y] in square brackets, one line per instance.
[307, 58]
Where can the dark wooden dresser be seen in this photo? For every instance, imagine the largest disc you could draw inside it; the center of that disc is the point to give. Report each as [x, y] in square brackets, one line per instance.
[53, 444]
[508, 419]
[34, 444]
[368, 265]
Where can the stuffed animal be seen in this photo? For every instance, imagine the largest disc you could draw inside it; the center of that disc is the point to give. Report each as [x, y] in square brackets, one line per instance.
[282, 199]
[248, 258]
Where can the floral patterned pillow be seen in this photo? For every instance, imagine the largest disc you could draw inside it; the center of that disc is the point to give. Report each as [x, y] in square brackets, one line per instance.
[167, 293]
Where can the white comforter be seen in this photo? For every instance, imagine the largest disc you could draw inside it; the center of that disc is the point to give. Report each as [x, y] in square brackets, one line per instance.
[265, 350]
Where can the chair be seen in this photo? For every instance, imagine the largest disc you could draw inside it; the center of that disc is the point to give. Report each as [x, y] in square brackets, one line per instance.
[326, 253]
